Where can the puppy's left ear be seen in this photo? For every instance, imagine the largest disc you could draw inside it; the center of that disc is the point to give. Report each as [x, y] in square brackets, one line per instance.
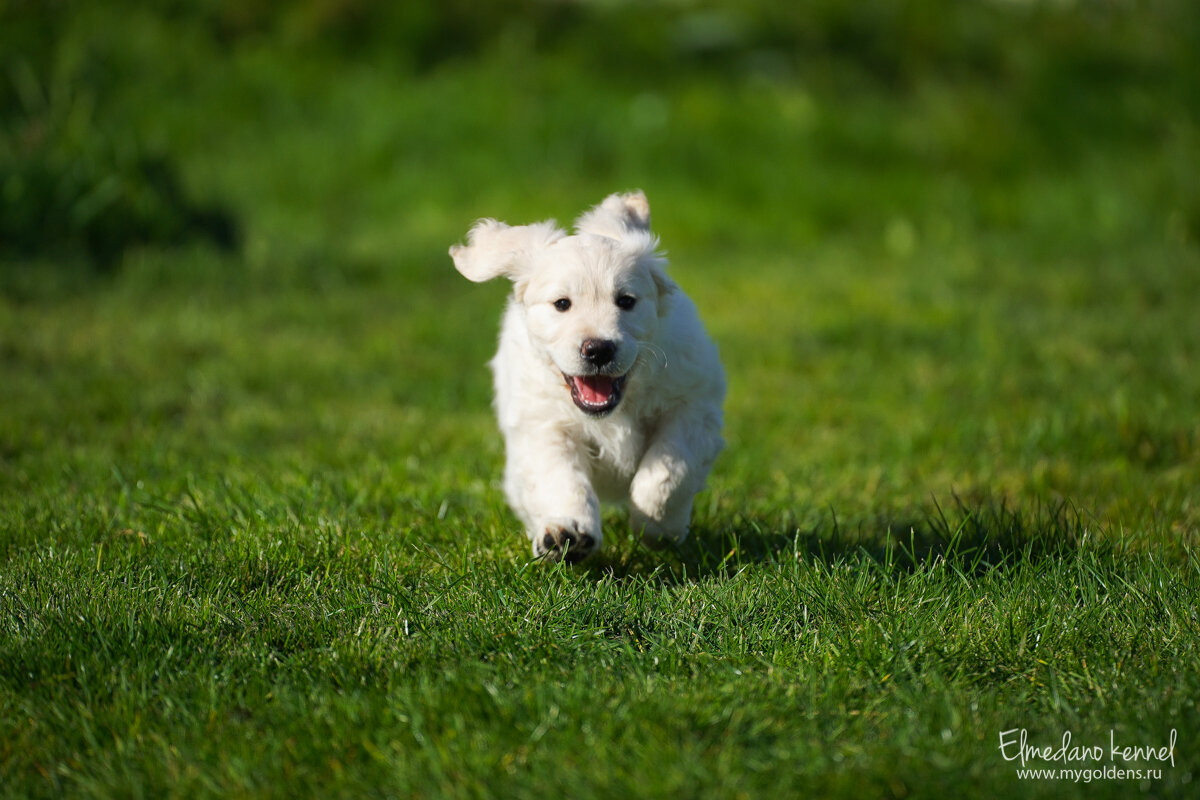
[632, 208]
[617, 216]
[656, 265]
[494, 248]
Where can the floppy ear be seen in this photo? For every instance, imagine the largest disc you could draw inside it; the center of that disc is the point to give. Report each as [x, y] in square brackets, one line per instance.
[663, 283]
[617, 215]
[494, 248]
[643, 245]
[635, 209]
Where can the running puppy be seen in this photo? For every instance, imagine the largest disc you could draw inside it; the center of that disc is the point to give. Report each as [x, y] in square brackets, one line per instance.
[607, 386]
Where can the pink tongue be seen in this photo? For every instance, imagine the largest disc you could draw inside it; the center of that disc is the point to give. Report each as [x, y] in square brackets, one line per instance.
[594, 389]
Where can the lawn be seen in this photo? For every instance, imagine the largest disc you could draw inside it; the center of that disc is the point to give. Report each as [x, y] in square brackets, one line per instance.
[252, 540]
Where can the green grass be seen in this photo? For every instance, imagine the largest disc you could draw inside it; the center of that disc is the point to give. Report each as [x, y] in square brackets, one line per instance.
[252, 541]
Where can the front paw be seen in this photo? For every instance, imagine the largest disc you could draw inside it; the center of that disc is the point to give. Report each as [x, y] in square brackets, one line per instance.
[564, 541]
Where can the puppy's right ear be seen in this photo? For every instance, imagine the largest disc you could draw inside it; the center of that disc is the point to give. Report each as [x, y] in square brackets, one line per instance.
[494, 249]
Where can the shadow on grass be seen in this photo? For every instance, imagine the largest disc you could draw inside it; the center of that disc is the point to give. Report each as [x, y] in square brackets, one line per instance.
[974, 535]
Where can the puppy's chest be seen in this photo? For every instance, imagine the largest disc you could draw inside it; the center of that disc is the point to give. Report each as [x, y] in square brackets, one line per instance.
[614, 448]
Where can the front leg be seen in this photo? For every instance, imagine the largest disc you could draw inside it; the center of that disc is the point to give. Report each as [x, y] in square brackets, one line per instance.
[672, 471]
[548, 487]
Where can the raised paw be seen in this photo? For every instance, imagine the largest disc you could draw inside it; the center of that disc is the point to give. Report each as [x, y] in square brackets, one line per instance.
[560, 543]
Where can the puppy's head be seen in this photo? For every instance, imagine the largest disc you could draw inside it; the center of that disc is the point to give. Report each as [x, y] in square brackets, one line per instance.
[590, 300]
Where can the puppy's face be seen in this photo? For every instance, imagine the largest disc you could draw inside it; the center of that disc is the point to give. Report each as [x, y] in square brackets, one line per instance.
[590, 302]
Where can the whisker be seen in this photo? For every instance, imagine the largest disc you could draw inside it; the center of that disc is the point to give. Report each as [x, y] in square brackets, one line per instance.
[654, 350]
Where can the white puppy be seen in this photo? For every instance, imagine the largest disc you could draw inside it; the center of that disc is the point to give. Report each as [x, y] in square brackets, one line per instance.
[607, 386]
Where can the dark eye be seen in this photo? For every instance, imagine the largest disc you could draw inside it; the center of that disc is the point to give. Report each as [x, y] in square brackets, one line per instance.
[562, 304]
[626, 302]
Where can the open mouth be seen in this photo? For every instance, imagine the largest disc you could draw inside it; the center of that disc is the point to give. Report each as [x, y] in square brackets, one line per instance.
[596, 395]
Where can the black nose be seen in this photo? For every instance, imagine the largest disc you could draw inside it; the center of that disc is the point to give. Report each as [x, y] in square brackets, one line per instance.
[597, 352]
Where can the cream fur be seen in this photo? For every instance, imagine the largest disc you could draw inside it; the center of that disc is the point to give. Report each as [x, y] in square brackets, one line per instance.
[653, 451]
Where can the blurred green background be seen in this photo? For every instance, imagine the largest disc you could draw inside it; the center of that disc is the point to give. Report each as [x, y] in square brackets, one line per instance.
[370, 127]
